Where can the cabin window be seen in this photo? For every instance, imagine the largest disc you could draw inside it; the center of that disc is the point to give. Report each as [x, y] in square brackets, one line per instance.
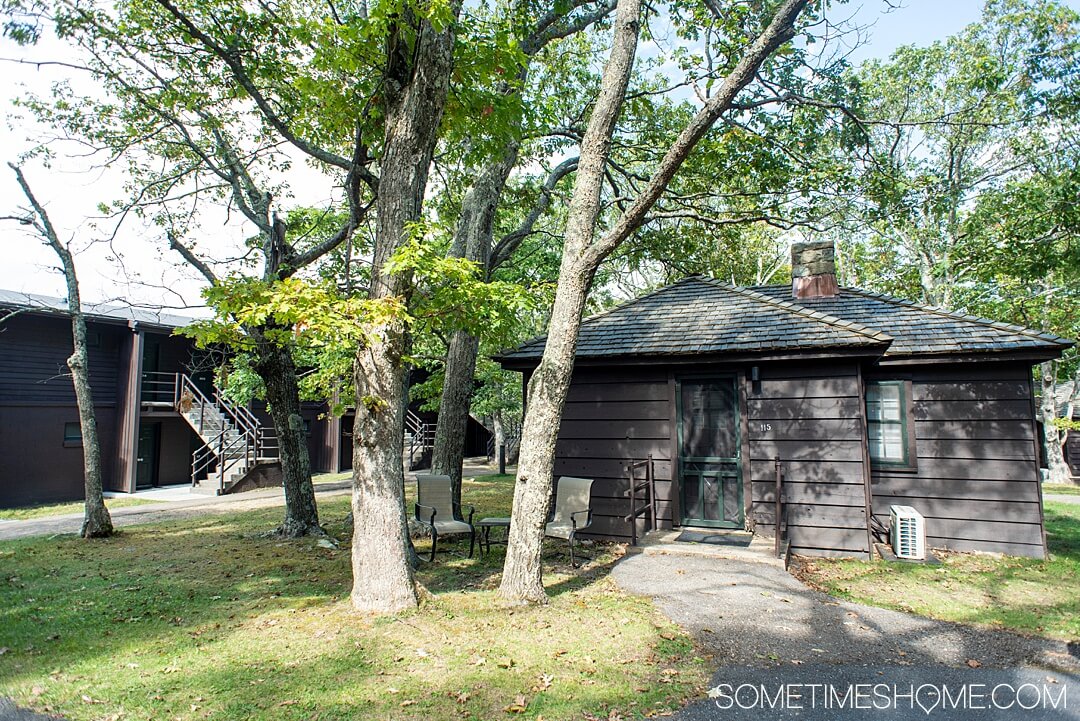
[888, 425]
[72, 435]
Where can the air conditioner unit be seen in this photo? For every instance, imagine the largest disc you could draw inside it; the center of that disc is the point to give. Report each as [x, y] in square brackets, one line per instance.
[907, 532]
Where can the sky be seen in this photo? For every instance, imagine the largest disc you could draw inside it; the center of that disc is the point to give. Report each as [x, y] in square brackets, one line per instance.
[148, 272]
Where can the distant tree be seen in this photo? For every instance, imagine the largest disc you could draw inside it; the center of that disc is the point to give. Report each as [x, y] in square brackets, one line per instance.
[96, 520]
[968, 192]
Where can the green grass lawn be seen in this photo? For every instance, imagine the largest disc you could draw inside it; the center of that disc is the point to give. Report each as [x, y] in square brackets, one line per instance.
[1021, 594]
[59, 509]
[1060, 489]
[214, 619]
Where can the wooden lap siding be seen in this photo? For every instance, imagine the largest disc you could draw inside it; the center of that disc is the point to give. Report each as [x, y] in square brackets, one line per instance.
[812, 417]
[612, 416]
[37, 399]
[976, 482]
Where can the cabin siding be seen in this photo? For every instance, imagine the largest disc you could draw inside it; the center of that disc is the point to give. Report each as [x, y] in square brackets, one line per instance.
[977, 482]
[37, 399]
[610, 418]
[811, 417]
[33, 361]
[38, 466]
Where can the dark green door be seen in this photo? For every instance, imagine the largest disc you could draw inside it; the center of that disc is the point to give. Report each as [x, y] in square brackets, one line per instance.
[147, 461]
[710, 473]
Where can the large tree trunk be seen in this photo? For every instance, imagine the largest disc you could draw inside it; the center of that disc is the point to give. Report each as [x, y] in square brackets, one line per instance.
[418, 80]
[472, 241]
[277, 370]
[1054, 437]
[550, 382]
[522, 580]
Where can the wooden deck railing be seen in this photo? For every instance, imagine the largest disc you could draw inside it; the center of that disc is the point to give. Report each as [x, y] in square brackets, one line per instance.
[647, 487]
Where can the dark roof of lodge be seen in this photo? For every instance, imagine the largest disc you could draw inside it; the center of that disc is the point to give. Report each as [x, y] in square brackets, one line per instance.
[50, 305]
[702, 316]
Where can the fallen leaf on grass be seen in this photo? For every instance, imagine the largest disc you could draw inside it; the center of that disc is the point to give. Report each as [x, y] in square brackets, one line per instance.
[519, 705]
[289, 702]
[407, 702]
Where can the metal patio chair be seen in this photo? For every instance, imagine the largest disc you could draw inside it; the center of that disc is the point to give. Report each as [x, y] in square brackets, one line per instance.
[573, 513]
[436, 511]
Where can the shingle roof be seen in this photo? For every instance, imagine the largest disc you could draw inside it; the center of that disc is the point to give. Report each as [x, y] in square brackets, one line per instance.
[105, 311]
[921, 330]
[1063, 394]
[699, 315]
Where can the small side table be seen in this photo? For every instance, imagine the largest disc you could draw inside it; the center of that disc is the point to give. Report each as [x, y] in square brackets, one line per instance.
[485, 525]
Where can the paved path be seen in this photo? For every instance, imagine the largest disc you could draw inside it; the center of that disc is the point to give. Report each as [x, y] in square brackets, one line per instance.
[1062, 498]
[196, 505]
[758, 621]
[169, 511]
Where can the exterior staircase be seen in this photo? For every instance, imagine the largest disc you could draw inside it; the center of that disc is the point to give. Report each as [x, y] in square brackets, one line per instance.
[419, 442]
[235, 443]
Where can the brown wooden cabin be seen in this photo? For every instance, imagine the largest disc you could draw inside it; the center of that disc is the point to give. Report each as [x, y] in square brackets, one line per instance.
[134, 360]
[866, 401]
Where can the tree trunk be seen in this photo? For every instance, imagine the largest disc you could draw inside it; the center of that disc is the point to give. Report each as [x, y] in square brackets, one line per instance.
[1053, 436]
[97, 522]
[417, 83]
[550, 382]
[472, 241]
[448, 455]
[277, 370]
[500, 435]
[522, 582]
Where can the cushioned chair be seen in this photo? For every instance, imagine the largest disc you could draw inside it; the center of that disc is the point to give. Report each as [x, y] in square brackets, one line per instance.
[436, 511]
[572, 511]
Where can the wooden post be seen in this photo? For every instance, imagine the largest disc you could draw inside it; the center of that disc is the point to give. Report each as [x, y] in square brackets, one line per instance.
[779, 511]
[651, 478]
[502, 459]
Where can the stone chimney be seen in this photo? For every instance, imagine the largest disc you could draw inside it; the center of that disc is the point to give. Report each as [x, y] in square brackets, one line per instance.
[813, 270]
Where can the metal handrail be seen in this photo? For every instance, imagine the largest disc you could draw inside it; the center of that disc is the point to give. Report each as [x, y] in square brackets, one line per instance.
[251, 437]
[421, 435]
[205, 457]
[648, 485]
[157, 387]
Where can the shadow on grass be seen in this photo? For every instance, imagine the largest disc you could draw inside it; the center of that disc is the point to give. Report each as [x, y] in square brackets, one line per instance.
[214, 618]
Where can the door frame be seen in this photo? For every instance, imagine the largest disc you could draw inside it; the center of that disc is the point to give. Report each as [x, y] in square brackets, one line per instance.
[677, 470]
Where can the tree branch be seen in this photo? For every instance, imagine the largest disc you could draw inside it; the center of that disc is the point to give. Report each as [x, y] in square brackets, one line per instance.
[193, 260]
[510, 242]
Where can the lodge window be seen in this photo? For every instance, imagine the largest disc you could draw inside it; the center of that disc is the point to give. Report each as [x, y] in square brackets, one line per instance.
[889, 427]
[72, 435]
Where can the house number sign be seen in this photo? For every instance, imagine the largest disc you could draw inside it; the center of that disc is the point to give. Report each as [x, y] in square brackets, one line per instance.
[765, 427]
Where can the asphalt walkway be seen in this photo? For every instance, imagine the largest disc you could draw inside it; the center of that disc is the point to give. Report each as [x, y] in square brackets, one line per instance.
[762, 625]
